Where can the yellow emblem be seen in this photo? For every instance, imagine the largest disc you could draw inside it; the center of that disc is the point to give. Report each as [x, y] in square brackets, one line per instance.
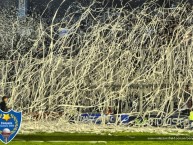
[6, 117]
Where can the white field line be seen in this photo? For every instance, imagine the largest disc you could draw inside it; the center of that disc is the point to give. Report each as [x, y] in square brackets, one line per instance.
[66, 141]
[81, 141]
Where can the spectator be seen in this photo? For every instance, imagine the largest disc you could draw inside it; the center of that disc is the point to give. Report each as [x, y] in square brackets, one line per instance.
[191, 118]
[109, 111]
[3, 104]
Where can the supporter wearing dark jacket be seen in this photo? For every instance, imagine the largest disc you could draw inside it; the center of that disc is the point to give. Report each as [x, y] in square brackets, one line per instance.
[3, 104]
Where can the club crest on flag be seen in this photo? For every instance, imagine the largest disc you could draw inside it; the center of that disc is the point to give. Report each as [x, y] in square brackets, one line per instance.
[10, 123]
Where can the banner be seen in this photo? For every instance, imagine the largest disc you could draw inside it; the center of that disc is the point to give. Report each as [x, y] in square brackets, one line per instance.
[98, 118]
[152, 120]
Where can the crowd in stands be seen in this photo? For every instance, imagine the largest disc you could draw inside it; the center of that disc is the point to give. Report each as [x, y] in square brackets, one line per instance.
[168, 21]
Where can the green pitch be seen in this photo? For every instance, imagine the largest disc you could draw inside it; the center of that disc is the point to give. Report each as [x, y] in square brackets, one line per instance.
[102, 139]
[107, 143]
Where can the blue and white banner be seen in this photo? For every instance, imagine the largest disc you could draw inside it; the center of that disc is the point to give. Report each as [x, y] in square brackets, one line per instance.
[152, 120]
[98, 118]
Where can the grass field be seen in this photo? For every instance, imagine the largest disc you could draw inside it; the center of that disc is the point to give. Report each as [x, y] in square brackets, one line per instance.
[106, 143]
[119, 136]
[105, 138]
